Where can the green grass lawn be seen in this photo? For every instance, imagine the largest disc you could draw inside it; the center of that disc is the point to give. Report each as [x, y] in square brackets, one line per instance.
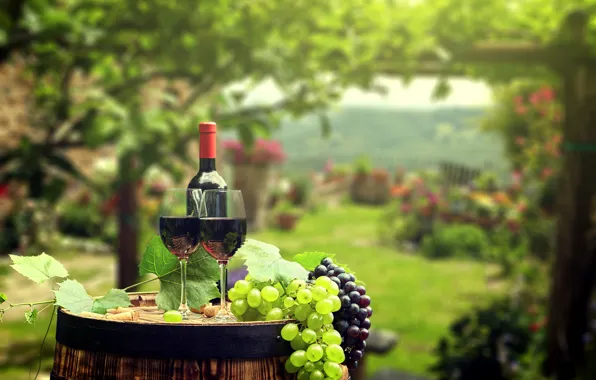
[412, 296]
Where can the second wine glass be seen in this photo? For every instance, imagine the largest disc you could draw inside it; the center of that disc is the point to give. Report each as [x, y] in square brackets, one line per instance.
[223, 232]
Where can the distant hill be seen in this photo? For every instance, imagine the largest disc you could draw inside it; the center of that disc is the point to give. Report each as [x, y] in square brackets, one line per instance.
[414, 138]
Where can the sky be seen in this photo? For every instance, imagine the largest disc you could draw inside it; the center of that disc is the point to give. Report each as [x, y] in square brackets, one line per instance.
[417, 94]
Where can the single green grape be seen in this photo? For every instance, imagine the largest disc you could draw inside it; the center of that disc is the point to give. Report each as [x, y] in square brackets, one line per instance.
[302, 312]
[333, 370]
[324, 306]
[333, 289]
[303, 375]
[289, 332]
[320, 333]
[323, 281]
[318, 292]
[172, 316]
[309, 367]
[252, 315]
[299, 358]
[254, 298]
[320, 364]
[294, 286]
[234, 294]
[328, 327]
[314, 352]
[335, 353]
[274, 314]
[242, 286]
[336, 303]
[309, 335]
[264, 307]
[332, 337]
[317, 375]
[327, 318]
[298, 343]
[314, 321]
[239, 306]
[291, 368]
[269, 293]
[289, 302]
[304, 296]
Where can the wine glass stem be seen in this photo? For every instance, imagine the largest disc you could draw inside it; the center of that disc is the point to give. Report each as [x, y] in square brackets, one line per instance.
[223, 281]
[183, 309]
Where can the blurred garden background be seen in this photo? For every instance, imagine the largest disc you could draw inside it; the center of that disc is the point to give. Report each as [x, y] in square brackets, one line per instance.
[436, 180]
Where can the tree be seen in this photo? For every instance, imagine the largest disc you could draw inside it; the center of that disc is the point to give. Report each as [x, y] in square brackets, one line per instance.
[312, 51]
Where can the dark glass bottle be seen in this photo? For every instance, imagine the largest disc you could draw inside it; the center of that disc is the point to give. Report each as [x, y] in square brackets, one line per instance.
[207, 178]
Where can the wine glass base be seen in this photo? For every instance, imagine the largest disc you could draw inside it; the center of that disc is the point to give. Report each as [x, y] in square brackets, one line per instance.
[223, 316]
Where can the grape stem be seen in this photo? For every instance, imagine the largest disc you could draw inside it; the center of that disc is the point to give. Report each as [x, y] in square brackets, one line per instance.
[30, 304]
[149, 280]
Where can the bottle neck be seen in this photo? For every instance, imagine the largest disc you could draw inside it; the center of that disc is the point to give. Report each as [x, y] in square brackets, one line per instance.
[207, 164]
[207, 153]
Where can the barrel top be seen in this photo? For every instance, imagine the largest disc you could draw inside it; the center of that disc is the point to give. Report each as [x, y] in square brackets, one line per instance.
[140, 331]
[144, 311]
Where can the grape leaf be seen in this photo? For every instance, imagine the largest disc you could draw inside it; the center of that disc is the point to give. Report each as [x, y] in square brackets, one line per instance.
[114, 298]
[3, 298]
[31, 316]
[310, 260]
[264, 263]
[157, 259]
[201, 274]
[38, 268]
[72, 296]
[358, 282]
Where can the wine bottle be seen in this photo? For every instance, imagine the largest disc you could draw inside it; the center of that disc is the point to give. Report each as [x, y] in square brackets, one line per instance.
[207, 178]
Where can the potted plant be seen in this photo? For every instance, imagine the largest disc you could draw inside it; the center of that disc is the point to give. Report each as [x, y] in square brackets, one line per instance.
[287, 216]
[254, 174]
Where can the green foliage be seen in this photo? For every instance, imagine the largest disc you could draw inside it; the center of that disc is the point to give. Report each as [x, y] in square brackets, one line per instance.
[113, 299]
[363, 165]
[201, 274]
[310, 260]
[264, 263]
[38, 268]
[31, 316]
[456, 241]
[72, 296]
[79, 221]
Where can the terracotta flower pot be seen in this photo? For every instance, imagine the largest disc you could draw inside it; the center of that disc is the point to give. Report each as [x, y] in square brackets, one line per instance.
[287, 222]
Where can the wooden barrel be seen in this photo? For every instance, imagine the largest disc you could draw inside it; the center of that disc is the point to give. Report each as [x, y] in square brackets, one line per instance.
[90, 348]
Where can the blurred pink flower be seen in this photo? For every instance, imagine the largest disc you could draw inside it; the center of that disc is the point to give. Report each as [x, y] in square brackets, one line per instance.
[262, 152]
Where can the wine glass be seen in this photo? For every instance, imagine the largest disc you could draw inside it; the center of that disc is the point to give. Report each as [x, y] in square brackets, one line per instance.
[223, 231]
[180, 232]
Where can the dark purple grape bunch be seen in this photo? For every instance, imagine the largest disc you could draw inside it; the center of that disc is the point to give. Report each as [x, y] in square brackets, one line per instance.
[352, 320]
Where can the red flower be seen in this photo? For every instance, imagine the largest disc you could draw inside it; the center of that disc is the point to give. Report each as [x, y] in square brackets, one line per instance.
[546, 172]
[521, 110]
[520, 140]
[534, 327]
[406, 208]
[519, 101]
[4, 191]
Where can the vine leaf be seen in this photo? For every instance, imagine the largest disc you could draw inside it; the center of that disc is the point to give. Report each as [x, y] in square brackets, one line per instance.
[113, 299]
[38, 268]
[264, 263]
[310, 260]
[202, 272]
[157, 259]
[31, 316]
[72, 296]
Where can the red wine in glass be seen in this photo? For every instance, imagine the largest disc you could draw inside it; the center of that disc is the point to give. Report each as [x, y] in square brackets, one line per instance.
[222, 237]
[180, 235]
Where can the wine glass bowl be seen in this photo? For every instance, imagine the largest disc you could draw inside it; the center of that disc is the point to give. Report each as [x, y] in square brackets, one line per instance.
[180, 232]
[223, 232]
